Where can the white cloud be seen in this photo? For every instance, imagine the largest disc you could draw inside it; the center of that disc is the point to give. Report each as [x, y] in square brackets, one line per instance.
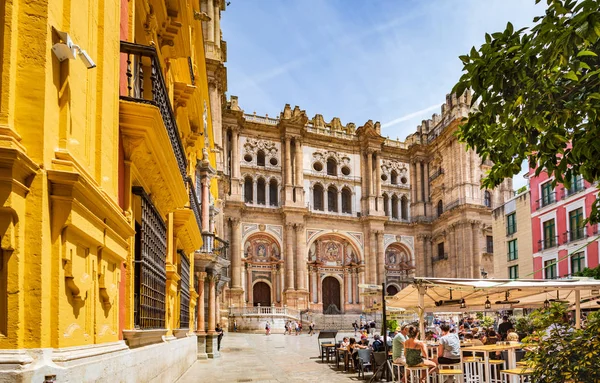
[409, 116]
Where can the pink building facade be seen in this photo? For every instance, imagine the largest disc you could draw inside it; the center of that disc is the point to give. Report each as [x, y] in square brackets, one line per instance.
[559, 236]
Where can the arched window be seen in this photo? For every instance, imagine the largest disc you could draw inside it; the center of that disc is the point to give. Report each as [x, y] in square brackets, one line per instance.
[386, 205]
[394, 207]
[331, 167]
[273, 193]
[394, 177]
[404, 207]
[260, 158]
[487, 199]
[248, 197]
[318, 197]
[332, 199]
[440, 208]
[346, 201]
[261, 194]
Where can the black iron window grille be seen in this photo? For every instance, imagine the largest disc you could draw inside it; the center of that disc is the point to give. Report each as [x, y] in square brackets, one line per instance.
[150, 266]
[184, 291]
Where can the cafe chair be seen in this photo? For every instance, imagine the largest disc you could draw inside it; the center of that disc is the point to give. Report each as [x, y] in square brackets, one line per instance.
[524, 374]
[472, 369]
[379, 359]
[399, 373]
[364, 361]
[416, 372]
[444, 374]
[495, 367]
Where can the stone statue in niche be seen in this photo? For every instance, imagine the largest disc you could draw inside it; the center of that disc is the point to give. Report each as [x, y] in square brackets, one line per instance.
[248, 250]
[312, 253]
[274, 251]
[261, 251]
[349, 255]
[392, 258]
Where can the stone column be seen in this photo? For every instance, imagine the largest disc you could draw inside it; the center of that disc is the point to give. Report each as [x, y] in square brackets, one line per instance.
[361, 279]
[298, 162]
[289, 257]
[476, 226]
[380, 257]
[254, 191]
[200, 325]
[236, 260]
[267, 194]
[426, 199]
[249, 285]
[212, 301]
[339, 201]
[300, 258]
[389, 206]
[288, 162]
[419, 193]
[347, 287]
[325, 200]
[370, 172]
[378, 182]
[205, 208]
[452, 256]
[217, 27]
[280, 285]
[235, 155]
[210, 33]
[375, 262]
[315, 285]
[413, 182]
[351, 283]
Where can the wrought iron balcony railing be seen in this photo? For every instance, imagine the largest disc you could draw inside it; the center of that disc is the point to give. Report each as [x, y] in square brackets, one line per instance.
[194, 202]
[576, 187]
[214, 245]
[547, 243]
[546, 200]
[574, 235]
[143, 70]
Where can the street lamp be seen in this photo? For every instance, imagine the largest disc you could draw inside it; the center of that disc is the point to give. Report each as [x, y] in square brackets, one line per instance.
[488, 304]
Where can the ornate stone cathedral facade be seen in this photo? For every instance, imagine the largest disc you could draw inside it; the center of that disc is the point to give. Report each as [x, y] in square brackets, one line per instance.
[314, 208]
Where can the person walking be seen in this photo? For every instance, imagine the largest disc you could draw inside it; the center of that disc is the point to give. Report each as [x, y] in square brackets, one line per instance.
[355, 327]
[235, 325]
[219, 331]
[311, 328]
[268, 328]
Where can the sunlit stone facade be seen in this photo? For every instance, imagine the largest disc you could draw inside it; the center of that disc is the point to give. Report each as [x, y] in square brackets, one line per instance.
[315, 208]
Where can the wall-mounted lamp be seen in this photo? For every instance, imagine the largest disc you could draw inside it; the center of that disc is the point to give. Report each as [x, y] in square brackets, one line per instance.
[66, 49]
[488, 304]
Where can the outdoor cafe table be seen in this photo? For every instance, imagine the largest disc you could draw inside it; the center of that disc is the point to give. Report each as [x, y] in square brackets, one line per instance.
[489, 348]
[341, 352]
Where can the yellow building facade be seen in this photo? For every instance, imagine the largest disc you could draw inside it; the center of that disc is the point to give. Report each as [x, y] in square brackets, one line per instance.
[107, 188]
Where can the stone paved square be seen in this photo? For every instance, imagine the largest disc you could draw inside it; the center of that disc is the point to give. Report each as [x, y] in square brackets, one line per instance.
[274, 358]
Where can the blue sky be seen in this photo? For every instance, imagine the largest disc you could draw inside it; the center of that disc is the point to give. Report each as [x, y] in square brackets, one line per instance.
[391, 61]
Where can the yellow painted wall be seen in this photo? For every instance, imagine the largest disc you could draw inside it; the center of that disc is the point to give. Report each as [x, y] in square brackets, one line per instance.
[61, 117]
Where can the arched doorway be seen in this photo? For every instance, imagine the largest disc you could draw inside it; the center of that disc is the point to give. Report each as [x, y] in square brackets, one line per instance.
[392, 290]
[331, 293]
[261, 293]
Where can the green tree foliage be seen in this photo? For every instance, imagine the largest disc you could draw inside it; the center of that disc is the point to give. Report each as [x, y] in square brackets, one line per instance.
[538, 95]
[590, 273]
[565, 354]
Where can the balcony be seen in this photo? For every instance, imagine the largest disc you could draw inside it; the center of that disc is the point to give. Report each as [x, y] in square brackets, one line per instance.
[546, 200]
[194, 202]
[547, 243]
[211, 244]
[439, 257]
[144, 71]
[436, 174]
[576, 186]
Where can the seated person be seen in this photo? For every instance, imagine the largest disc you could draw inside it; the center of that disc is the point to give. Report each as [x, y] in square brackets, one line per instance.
[469, 338]
[377, 344]
[416, 351]
[449, 348]
[398, 345]
[352, 347]
[512, 336]
[345, 343]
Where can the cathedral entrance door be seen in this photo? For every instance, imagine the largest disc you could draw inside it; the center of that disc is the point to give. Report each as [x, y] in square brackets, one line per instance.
[331, 293]
[261, 293]
[392, 290]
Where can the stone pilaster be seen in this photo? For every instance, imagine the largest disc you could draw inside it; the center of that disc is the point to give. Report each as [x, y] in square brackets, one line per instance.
[380, 257]
[200, 324]
[289, 257]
